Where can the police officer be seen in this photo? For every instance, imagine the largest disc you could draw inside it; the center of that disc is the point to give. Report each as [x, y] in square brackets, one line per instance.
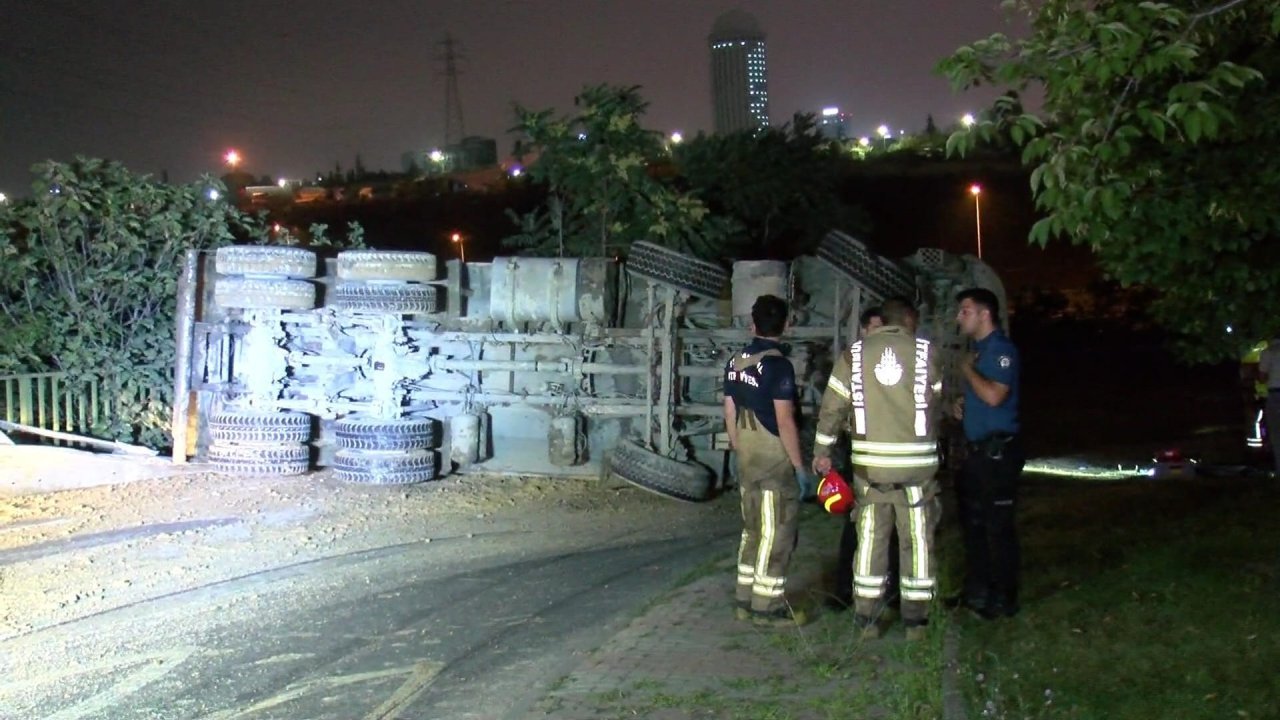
[886, 385]
[760, 416]
[987, 484]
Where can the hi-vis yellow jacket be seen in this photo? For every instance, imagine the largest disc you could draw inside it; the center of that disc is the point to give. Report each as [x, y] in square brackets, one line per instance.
[886, 384]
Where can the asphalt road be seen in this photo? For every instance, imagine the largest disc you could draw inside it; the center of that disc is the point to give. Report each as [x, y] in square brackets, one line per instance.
[470, 625]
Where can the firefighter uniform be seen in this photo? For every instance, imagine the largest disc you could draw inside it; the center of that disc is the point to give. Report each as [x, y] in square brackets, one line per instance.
[886, 385]
[1269, 365]
[1255, 394]
[755, 378]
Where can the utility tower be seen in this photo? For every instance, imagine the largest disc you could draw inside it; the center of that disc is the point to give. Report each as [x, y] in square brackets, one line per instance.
[450, 56]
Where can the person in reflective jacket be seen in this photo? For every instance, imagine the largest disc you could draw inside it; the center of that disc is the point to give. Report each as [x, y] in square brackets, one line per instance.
[883, 390]
[760, 417]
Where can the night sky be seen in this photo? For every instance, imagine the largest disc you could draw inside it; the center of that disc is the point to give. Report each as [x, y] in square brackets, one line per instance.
[295, 86]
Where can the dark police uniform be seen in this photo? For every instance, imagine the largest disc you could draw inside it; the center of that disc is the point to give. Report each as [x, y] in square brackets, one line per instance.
[755, 378]
[988, 482]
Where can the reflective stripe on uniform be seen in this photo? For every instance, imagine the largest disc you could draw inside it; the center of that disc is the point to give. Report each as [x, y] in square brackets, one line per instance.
[921, 389]
[855, 392]
[888, 461]
[919, 543]
[894, 448]
[767, 586]
[833, 383]
[1255, 439]
[917, 583]
[823, 439]
[917, 595]
[868, 586]
[767, 515]
[866, 521]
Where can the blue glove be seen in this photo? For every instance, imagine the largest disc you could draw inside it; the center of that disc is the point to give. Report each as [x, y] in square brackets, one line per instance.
[807, 482]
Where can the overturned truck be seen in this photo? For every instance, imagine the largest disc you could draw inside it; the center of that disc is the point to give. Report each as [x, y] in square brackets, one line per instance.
[389, 369]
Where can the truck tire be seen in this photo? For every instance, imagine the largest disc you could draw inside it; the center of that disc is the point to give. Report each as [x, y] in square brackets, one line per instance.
[266, 261]
[259, 294]
[273, 460]
[274, 428]
[683, 272]
[386, 266]
[396, 299]
[376, 467]
[649, 471]
[851, 258]
[355, 432]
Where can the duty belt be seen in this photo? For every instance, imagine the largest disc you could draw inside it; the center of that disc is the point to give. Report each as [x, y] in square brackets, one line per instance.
[993, 445]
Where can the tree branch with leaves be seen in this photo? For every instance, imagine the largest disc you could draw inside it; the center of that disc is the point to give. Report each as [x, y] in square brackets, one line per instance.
[1155, 146]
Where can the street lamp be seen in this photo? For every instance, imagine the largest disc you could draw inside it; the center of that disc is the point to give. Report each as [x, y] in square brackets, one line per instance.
[976, 190]
[3, 198]
[233, 158]
[967, 120]
[883, 132]
[462, 246]
[677, 138]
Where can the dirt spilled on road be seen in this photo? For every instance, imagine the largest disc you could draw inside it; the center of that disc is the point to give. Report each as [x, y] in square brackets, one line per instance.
[74, 553]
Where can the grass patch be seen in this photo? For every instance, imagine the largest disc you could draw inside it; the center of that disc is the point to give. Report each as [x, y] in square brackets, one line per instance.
[1141, 600]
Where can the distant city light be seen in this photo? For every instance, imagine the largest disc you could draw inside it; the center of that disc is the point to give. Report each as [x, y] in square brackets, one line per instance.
[436, 156]
[967, 120]
[883, 131]
[516, 171]
[582, 136]
[233, 158]
[213, 194]
[864, 141]
[829, 111]
[4, 198]
[676, 138]
[275, 228]
[282, 182]
[1229, 328]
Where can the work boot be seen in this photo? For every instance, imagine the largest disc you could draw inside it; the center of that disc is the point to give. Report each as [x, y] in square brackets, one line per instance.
[782, 617]
[868, 627]
[742, 611]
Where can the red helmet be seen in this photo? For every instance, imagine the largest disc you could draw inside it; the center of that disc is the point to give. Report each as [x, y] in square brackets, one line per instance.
[834, 494]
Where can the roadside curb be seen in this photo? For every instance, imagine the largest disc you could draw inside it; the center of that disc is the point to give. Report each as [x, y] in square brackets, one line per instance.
[952, 698]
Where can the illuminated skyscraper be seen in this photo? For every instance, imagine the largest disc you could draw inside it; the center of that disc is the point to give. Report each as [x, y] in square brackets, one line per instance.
[739, 81]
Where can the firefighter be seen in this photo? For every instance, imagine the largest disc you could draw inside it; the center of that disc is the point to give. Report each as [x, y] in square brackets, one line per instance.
[887, 384]
[760, 416]
[1269, 376]
[987, 484]
[842, 593]
[1254, 392]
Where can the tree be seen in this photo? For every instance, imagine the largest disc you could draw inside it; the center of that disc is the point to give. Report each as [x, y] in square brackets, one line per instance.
[1156, 146]
[780, 185]
[89, 267]
[89, 278]
[603, 195]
